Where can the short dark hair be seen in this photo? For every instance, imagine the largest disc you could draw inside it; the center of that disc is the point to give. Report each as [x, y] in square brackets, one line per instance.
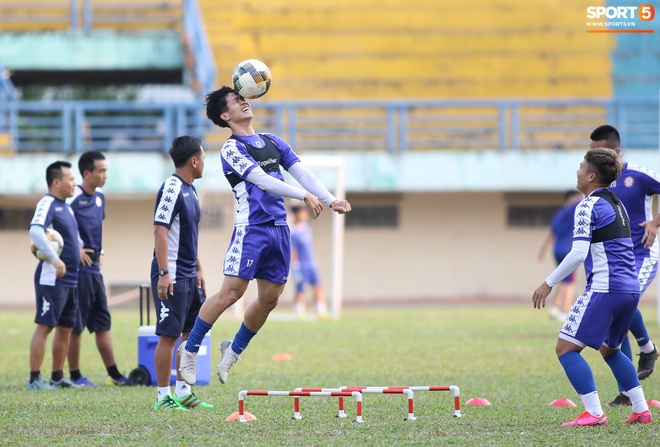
[605, 163]
[183, 148]
[54, 171]
[295, 209]
[607, 133]
[216, 105]
[87, 160]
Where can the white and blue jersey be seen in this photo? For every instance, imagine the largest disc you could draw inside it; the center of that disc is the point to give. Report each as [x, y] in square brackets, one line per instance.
[90, 213]
[52, 212]
[240, 155]
[602, 314]
[610, 264]
[636, 187]
[177, 208]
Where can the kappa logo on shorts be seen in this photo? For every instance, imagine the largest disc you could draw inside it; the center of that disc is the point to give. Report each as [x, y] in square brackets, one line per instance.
[164, 312]
[45, 306]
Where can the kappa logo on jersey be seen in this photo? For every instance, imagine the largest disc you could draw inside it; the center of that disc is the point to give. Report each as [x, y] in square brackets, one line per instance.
[571, 318]
[568, 328]
[45, 306]
[575, 310]
[164, 312]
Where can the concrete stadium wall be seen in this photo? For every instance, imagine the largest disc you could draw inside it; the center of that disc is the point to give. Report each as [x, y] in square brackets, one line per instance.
[446, 245]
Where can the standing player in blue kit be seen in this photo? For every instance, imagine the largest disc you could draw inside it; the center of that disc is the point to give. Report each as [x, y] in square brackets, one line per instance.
[88, 204]
[601, 316]
[636, 187]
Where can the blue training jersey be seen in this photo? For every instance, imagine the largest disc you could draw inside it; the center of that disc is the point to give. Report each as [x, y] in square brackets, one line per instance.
[89, 212]
[240, 155]
[610, 264]
[54, 213]
[635, 187]
[301, 241]
[177, 208]
[562, 229]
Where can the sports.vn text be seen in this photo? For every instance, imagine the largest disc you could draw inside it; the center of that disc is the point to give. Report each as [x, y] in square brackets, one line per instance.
[610, 24]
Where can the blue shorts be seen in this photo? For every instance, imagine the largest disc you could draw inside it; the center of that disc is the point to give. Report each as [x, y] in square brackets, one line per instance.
[646, 271]
[92, 304]
[598, 318]
[178, 312]
[259, 251]
[56, 305]
[307, 277]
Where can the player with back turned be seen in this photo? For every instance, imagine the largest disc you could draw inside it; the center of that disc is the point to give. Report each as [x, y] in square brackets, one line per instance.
[600, 317]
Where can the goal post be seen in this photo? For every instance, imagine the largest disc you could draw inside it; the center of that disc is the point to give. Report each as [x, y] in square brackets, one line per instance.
[331, 171]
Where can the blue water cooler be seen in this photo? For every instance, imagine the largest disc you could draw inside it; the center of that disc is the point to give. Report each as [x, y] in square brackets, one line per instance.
[147, 341]
[145, 373]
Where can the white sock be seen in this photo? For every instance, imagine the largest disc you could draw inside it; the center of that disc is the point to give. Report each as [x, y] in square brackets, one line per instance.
[647, 348]
[591, 403]
[321, 308]
[162, 392]
[300, 308]
[637, 399]
[181, 389]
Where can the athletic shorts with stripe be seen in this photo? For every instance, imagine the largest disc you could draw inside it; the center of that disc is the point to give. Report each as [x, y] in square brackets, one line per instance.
[259, 251]
[646, 271]
[56, 305]
[598, 318]
[178, 312]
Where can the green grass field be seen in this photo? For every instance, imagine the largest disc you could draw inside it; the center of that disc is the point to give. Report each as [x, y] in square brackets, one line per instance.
[504, 354]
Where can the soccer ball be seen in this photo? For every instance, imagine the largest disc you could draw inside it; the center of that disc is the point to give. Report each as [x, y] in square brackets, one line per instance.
[251, 79]
[56, 241]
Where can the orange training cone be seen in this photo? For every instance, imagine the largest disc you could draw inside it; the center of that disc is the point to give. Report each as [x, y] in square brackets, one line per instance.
[478, 401]
[562, 403]
[283, 356]
[653, 403]
[247, 415]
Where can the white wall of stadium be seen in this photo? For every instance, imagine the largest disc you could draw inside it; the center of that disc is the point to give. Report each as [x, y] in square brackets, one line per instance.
[448, 243]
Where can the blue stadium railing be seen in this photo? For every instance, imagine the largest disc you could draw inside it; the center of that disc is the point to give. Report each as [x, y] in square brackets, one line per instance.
[393, 126]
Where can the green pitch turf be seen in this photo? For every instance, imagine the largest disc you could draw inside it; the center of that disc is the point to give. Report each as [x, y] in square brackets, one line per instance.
[504, 354]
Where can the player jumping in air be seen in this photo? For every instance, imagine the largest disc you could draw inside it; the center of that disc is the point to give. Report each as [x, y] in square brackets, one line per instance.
[260, 245]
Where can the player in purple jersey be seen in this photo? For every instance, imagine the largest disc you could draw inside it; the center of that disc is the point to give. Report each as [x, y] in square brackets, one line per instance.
[561, 237]
[260, 245]
[600, 316]
[177, 279]
[88, 204]
[303, 263]
[55, 280]
[636, 187]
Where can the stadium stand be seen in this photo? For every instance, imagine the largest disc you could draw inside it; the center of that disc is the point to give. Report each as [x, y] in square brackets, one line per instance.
[373, 75]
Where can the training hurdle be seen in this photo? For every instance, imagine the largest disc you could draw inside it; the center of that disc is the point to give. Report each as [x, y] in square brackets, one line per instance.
[365, 390]
[297, 394]
[408, 390]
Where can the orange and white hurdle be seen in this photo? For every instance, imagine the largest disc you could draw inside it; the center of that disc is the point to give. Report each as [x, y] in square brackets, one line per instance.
[407, 390]
[297, 394]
